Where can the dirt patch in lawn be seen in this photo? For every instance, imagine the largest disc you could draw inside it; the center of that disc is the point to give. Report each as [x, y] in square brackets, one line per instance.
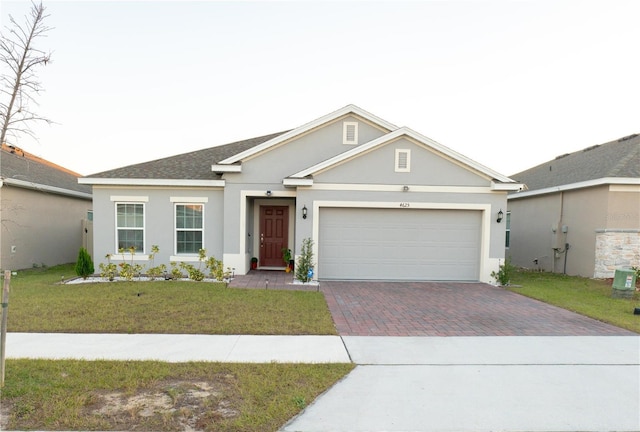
[167, 405]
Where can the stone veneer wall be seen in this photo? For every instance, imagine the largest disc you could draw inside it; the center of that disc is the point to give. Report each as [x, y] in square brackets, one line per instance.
[616, 249]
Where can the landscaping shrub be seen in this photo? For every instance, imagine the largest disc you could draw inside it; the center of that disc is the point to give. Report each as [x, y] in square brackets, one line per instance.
[84, 265]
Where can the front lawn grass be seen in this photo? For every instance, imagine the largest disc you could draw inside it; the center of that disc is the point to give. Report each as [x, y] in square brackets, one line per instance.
[590, 297]
[107, 395]
[39, 303]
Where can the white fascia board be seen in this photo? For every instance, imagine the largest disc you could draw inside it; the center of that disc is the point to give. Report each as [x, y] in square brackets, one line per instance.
[226, 168]
[150, 182]
[506, 186]
[349, 109]
[297, 182]
[45, 188]
[578, 185]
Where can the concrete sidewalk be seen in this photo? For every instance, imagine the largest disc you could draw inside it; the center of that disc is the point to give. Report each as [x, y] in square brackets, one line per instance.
[178, 348]
[430, 384]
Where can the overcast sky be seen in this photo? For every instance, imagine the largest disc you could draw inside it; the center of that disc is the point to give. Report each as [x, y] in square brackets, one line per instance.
[510, 84]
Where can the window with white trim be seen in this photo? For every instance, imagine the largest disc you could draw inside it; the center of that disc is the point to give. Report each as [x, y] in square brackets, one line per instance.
[130, 226]
[350, 133]
[403, 160]
[189, 228]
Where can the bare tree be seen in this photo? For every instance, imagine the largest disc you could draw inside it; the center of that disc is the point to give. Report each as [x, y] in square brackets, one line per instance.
[19, 85]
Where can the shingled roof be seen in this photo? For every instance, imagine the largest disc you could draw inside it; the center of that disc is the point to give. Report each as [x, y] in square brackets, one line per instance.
[20, 168]
[195, 165]
[618, 159]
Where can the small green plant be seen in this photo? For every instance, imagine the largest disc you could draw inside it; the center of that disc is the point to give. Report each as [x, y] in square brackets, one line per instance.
[216, 269]
[300, 402]
[637, 270]
[109, 270]
[304, 266]
[155, 271]
[505, 273]
[84, 265]
[129, 270]
[286, 255]
[176, 270]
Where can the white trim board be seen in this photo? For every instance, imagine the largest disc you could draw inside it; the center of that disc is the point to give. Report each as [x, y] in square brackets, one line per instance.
[579, 185]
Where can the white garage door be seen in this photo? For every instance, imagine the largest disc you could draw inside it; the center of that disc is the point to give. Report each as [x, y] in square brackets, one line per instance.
[399, 244]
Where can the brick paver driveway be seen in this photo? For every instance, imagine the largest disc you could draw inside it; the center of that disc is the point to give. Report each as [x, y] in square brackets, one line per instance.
[449, 309]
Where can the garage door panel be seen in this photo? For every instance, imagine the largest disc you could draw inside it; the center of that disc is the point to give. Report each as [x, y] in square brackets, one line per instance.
[399, 244]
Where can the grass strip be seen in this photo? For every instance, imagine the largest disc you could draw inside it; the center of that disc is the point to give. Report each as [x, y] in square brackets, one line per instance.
[106, 395]
[590, 297]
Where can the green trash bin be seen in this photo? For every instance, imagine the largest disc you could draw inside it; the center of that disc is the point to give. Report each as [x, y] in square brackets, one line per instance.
[624, 283]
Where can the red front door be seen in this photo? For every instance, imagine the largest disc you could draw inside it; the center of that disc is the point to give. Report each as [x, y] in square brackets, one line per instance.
[274, 230]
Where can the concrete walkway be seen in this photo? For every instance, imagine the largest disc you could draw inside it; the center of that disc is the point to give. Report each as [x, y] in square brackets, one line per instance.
[475, 384]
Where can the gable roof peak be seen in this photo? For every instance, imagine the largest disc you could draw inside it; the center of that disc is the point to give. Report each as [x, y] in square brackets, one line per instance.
[349, 109]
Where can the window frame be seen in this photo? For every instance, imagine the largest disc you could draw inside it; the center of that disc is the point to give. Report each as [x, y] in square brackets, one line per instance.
[345, 135]
[143, 228]
[398, 168]
[176, 229]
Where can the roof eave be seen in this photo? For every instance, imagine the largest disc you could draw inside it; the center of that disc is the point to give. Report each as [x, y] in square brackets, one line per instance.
[99, 181]
[217, 168]
[579, 185]
[506, 186]
[45, 188]
[294, 182]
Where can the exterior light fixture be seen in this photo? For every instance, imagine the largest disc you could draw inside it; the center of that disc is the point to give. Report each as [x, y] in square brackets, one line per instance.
[268, 193]
[304, 212]
[500, 216]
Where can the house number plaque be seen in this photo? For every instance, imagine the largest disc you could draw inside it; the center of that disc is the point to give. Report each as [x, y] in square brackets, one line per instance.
[404, 205]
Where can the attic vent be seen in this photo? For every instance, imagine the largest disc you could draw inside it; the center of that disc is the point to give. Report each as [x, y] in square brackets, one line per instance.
[403, 160]
[591, 148]
[350, 133]
[561, 156]
[627, 137]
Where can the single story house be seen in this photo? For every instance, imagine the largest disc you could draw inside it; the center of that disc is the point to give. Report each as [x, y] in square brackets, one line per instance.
[43, 209]
[581, 212]
[378, 201]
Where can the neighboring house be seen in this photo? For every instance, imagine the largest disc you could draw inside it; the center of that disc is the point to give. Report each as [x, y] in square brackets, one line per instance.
[378, 201]
[580, 213]
[42, 208]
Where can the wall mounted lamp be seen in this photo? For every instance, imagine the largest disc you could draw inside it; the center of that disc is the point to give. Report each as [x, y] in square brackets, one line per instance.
[500, 216]
[268, 193]
[304, 212]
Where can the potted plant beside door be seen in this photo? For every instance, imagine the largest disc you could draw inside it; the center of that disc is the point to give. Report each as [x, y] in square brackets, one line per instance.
[254, 263]
[286, 257]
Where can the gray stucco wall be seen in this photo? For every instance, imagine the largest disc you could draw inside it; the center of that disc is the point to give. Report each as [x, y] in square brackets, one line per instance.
[45, 228]
[378, 167]
[159, 220]
[583, 211]
[305, 151]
